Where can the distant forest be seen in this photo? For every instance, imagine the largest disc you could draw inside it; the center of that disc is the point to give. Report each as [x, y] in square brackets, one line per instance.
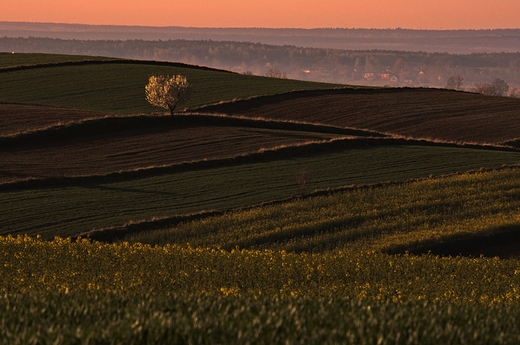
[364, 67]
[431, 41]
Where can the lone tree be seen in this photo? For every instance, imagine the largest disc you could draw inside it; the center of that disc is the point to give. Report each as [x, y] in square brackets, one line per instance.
[167, 92]
[455, 82]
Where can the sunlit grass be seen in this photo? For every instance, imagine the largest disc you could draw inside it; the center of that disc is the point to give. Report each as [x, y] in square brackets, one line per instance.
[387, 218]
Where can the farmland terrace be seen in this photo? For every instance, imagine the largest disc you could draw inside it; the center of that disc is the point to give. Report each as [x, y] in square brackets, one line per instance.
[418, 113]
[241, 141]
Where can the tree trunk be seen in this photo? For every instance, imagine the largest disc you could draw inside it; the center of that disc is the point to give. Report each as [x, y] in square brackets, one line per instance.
[171, 110]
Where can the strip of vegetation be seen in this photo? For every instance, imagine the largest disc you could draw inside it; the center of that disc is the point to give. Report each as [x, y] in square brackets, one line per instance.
[49, 210]
[115, 124]
[512, 143]
[447, 216]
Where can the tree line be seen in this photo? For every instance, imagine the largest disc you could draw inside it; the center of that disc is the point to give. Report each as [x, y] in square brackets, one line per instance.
[372, 67]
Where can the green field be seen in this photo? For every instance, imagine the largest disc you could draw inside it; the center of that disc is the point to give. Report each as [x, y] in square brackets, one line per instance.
[273, 211]
[67, 210]
[472, 214]
[150, 319]
[119, 87]
[9, 60]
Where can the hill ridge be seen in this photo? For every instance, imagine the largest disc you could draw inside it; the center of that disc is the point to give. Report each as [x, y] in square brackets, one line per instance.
[280, 153]
[108, 61]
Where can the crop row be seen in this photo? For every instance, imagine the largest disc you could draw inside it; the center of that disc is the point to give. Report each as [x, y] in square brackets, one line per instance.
[391, 218]
[119, 88]
[73, 209]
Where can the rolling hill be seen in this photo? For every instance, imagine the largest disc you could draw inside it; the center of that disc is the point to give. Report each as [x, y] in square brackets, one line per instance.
[117, 86]
[417, 113]
[85, 133]
[268, 207]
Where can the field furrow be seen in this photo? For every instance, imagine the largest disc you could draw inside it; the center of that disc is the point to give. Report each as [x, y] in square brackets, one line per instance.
[119, 87]
[152, 147]
[71, 209]
[418, 113]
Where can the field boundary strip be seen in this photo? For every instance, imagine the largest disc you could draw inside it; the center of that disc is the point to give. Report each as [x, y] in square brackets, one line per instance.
[282, 153]
[112, 124]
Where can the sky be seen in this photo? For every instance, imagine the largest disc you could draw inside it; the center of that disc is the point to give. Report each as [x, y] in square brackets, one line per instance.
[406, 14]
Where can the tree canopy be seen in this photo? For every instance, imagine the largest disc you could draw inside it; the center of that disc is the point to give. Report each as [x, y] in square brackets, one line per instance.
[167, 92]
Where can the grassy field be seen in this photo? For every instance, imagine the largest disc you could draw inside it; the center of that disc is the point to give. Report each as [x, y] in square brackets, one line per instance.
[101, 318]
[83, 292]
[119, 87]
[263, 215]
[8, 60]
[49, 211]
[416, 216]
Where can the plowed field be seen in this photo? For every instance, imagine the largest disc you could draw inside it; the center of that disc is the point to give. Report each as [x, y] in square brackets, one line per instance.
[135, 149]
[16, 118]
[418, 113]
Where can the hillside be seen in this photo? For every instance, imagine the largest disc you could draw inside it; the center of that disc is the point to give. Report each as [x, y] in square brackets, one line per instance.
[270, 211]
[117, 86]
[417, 113]
[99, 146]
[246, 140]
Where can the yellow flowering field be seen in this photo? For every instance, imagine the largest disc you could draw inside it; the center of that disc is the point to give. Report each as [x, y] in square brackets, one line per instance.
[31, 264]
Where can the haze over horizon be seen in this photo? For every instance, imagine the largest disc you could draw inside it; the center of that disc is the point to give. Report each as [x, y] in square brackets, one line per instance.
[406, 14]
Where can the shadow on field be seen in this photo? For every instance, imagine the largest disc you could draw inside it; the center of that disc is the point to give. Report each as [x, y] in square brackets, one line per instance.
[502, 242]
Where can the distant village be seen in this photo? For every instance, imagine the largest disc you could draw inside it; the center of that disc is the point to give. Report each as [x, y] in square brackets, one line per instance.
[358, 67]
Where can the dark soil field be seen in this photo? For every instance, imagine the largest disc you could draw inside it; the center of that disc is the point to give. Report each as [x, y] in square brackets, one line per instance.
[142, 148]
[15, 118]
[418, 113]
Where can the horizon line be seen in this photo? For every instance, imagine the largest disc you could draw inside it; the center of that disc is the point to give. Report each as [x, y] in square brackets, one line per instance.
[255, 27]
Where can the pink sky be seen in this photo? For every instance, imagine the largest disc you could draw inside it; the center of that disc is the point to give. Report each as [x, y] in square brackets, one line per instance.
[413, 14]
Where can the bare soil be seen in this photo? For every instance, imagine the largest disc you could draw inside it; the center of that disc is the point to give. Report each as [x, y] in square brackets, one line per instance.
[135, 149]
[16, 118]
[418, 113]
